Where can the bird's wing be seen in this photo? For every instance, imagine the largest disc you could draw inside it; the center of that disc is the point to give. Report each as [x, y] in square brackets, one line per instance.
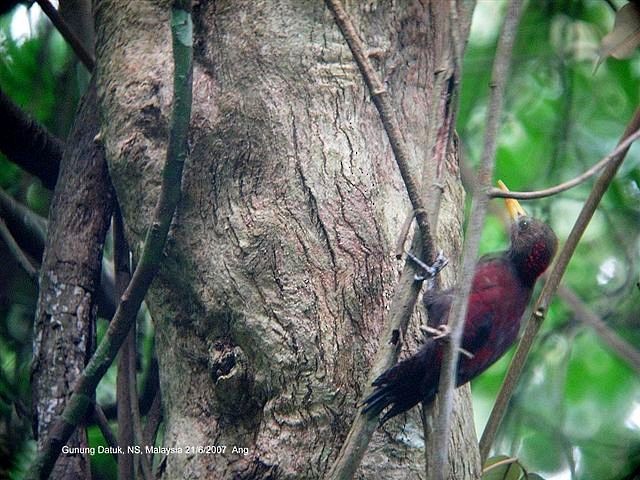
[486, 293]
[476, 333]
[489, 328]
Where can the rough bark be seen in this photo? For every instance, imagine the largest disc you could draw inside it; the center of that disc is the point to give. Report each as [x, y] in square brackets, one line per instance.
[280, 267]
[69, 280]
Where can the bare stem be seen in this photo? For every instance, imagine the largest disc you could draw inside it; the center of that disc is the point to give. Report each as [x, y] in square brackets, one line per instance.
[103, 424]
[549, 290]
[381, 100]
[154, 417]
[21, 257]
[619, 345]
[29, 144]
[547, 192]
[122, 275]
[76, 44]
[20, 216]
[499, 76]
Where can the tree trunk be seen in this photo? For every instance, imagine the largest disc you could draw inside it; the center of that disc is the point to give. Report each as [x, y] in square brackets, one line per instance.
[69, 281]
[279, 268]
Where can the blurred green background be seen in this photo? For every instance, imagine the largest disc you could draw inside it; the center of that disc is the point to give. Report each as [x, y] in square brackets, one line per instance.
[576, 413]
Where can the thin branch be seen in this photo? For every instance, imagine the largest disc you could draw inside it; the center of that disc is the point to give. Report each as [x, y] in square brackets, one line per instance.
[76, 44]
[30, 231]
[21, 257]
[548, 291]
[505, 461]
[441, 138]
[407, 290]
[122, 275]
[149, 263]
[458, 313]
[445, 87]
[143, 459]
[103, 424]
[547, 192]
[154, 417]
[21, 216]
[380, 98]
[619, 345]
[28, 144]
[404, 234]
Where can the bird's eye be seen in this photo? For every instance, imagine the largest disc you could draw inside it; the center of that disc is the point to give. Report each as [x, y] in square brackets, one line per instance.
[524, 223]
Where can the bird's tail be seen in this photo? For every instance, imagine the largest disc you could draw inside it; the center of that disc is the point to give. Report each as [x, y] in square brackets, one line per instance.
[381, 398]
[402, 386]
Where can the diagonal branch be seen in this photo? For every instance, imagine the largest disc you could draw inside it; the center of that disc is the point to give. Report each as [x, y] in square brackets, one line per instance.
[76, 44]
[499, 76]
[380, 98]
[21, 257]
[407, 289]
[21, 217]
[68, 282]
[549, 290]
[149, 263]
[103, 424]
[619, 345]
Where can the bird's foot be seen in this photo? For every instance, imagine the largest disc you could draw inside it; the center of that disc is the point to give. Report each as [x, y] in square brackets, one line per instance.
[429, 271]
[466, 353]
[436, 333]
[443, 331]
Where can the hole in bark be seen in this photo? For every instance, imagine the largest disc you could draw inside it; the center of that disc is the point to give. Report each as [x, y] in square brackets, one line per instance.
[224, 360]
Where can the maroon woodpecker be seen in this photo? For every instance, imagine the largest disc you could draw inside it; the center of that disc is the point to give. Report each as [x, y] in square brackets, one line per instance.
[501, 288]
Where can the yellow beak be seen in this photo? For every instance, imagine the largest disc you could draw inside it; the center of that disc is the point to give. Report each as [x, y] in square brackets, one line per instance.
[513, 206]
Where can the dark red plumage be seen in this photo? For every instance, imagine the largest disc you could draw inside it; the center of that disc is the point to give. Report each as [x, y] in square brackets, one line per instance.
[501, 289]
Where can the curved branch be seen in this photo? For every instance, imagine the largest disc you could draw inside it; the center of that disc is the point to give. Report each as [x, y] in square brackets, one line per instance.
[549, 290]
[547, 192]
[149, 263]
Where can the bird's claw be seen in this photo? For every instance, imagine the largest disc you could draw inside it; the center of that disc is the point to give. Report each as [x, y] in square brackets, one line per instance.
[443, 331]
[429, 271]
[436, 333]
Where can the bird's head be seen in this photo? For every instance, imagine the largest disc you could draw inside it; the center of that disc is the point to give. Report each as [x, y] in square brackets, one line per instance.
[533, 243]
